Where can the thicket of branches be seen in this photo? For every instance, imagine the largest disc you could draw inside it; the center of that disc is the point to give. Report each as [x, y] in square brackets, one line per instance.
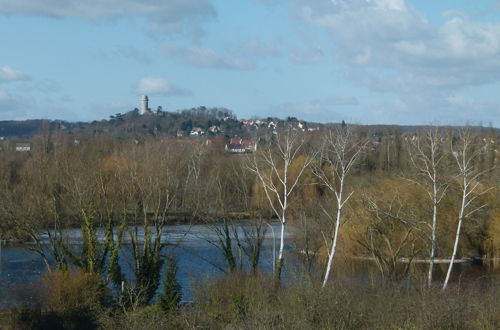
[401, 201]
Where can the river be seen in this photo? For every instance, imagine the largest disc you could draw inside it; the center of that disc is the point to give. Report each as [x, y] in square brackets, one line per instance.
[198, 259]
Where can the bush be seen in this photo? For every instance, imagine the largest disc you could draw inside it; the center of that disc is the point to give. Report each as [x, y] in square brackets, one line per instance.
[241, 301]
[68, 291]
[70, 300]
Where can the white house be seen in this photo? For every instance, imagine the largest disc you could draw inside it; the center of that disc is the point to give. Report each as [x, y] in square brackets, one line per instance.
[23, 147]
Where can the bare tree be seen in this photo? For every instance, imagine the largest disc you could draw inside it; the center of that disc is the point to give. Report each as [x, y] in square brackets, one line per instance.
[272, 167]
[192, 195]
[338, 156]
[227, 193]
[254, 234]
[391, 236]
[465, 152]
[151, 188]
[426, 154]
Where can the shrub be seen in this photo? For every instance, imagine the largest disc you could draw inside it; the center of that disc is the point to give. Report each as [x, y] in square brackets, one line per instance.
[171, 294]
[71, 300]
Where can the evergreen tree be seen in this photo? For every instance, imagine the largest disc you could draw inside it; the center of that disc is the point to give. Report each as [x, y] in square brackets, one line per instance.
[171, 295]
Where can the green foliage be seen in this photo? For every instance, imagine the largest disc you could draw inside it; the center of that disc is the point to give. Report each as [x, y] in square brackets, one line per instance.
[114, 269]
[238, 305]
[171, 294]
[90, 260]
[225, 243]
[147, 267]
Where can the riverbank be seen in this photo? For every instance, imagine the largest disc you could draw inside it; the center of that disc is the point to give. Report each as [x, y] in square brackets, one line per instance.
[175, 218]
[242, 301]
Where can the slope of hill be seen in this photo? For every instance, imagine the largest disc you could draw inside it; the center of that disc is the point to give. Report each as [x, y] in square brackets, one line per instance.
[194, 121]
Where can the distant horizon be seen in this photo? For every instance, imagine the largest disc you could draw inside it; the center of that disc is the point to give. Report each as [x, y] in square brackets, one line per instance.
[471, 124]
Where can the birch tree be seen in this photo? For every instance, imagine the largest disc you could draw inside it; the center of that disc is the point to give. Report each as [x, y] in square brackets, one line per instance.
[426, 154]
[339, 154]
[465, 152]
[272, 167]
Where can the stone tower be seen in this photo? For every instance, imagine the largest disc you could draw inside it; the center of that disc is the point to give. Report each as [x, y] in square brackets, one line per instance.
[144, 104]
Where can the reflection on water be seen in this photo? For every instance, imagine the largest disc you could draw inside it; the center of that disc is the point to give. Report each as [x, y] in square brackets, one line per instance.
[197, 258]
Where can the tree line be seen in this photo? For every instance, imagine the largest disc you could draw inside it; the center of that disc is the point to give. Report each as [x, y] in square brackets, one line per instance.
[403, 201]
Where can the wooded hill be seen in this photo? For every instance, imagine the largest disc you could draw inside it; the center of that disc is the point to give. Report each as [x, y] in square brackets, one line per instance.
[164, 123]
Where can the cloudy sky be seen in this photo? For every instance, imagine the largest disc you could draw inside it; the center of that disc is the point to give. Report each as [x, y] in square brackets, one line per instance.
[364, 61]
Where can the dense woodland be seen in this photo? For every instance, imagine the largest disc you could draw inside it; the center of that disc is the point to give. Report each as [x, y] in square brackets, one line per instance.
[131, 124]
[401, 201]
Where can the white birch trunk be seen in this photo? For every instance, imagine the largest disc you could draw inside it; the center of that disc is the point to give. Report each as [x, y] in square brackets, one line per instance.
[331, 253]
[470, 177]
[433, 244]
[282, 244]
[455, 248]
[457, 235]
[434, 223]
[341, 154]
[426, 159]
[277, 186]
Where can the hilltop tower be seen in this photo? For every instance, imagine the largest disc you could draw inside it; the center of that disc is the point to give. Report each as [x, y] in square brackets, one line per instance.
[144, 104]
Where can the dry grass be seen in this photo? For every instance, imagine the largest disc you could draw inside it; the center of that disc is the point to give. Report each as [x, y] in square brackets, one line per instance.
[244, 302]
[241, 301]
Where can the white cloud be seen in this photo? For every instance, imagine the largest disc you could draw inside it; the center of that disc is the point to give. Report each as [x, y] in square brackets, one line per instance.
[42, 86]
[454, 109]
[400, 104]
[159, 86]
[170, 15]
[334, 108]
[391, 4]
[257, 49]
[314, 111]
[306, 55]
[9, 74]
[390, 39]
[459, 100]
[207, 58]
[170, 10]
[234, 56]
[9, 106]
[120, 105]
[29, 97]
[132, 53]
[342, 100]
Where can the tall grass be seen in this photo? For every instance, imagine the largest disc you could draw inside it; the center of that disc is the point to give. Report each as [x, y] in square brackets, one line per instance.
[242, 301]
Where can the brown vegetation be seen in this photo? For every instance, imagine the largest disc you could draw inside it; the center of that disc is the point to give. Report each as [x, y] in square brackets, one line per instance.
[109, 184]
[254, 302]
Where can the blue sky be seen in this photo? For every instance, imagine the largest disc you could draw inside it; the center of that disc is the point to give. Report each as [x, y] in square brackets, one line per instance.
[363, 61]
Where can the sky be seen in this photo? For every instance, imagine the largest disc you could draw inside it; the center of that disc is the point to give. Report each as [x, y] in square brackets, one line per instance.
[363, 61]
